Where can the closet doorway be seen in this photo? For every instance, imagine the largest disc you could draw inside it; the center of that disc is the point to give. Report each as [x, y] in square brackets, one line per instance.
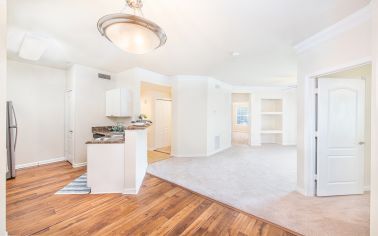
[156, 105]
[163, 114]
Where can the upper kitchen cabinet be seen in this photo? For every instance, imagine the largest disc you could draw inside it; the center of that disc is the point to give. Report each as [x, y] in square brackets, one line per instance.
[118, 103]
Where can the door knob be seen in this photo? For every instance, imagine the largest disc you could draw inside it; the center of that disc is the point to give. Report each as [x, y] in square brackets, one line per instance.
[361, 143]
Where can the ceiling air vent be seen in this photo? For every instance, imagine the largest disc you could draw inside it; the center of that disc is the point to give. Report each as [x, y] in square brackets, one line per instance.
[104, 76]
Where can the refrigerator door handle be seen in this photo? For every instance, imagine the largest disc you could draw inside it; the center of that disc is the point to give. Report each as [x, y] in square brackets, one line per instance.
[15, 120]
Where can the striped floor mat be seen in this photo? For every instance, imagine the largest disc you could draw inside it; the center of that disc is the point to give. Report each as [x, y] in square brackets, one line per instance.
[78, 186]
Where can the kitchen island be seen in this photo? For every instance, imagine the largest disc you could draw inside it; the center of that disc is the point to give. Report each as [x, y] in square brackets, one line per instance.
[117, 165]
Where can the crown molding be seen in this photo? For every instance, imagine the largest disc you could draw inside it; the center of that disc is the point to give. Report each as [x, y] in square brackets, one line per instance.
[357, 18]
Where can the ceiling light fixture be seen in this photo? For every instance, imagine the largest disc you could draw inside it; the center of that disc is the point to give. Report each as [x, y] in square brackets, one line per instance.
[33, 47]
[132, 33]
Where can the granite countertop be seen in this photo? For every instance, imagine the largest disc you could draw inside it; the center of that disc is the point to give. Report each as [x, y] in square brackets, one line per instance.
[106, 141]
[111, 136]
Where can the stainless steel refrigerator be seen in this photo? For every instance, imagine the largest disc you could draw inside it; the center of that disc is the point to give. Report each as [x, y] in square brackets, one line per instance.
[11, 140]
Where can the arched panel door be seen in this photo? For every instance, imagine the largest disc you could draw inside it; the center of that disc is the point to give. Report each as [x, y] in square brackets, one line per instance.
[341, 126]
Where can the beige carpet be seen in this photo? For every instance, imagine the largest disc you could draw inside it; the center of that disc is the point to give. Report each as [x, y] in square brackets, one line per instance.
[262, 181]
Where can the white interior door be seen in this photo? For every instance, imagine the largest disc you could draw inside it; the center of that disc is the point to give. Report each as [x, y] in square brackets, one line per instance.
[162, 122]
[340, 154]
[68, 147]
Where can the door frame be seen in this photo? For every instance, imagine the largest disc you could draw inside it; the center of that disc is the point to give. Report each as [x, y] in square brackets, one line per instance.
[309, 152]
[65, 126]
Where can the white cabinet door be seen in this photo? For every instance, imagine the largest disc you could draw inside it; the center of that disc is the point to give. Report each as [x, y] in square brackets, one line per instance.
[340, 158]
[125, 103]
[113, 103]
[118, 103]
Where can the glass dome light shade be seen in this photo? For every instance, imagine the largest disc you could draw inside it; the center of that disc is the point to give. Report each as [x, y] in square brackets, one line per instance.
[131, 33]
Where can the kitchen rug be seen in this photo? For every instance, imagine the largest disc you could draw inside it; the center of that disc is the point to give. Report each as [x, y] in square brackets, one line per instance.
[78, 186]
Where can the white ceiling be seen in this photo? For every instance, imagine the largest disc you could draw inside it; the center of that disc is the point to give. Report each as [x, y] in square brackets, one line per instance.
[201, 35]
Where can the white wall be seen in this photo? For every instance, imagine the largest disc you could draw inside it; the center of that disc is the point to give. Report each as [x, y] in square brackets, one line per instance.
[37, 93]
[3, 74]
[289, 117]
[348, 44]
[89, 106]
[218, 116]
[201, 111]
[189, 116]
[374, 151]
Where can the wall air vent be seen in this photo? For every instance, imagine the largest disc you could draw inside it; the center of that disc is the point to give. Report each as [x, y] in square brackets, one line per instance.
[216, 142]
[104, 76]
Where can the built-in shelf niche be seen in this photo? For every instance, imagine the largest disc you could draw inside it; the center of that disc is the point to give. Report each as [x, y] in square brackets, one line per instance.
[271, 113]
[271, 121]
[271, 138]
[271, 105]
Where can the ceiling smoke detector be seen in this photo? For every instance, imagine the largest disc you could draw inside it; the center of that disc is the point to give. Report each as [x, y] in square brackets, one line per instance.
[235, 54]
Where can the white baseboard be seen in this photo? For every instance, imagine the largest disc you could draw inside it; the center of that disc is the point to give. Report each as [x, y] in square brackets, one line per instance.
[38, 163]
[189, 155]
[218, 151]
[129, 191]
[289, 144]
[301, 191]
[77, 165]
[202, 154]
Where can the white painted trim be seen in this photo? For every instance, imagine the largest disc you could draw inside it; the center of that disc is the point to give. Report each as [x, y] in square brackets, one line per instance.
[345, 24]
[254, 89]
[129, 191]
[189, 155]
[38, 163]
[96, 193]
[202, 155]
[218, 151]
[77, 165]
[301, 191]
[346, 66]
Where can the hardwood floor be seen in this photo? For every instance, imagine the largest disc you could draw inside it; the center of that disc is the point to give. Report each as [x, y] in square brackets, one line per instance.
[154, 156]
[161, 208]
[166, 150]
